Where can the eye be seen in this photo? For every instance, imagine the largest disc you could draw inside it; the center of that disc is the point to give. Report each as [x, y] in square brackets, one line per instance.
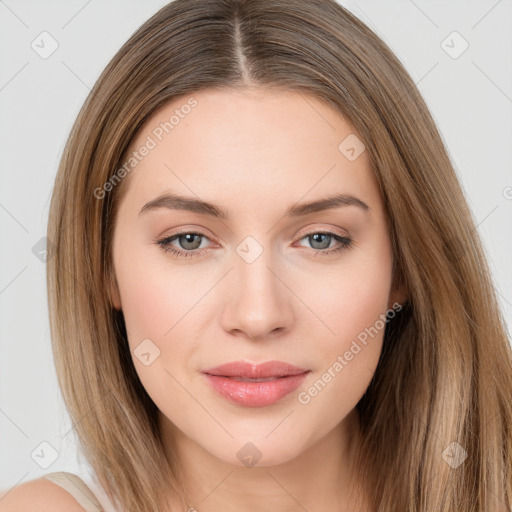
[321, 242]
[190, 243]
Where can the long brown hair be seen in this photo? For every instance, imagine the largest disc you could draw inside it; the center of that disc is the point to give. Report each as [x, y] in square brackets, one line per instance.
[443, 386]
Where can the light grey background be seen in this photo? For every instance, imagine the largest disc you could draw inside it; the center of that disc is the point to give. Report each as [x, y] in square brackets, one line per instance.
[470, 97]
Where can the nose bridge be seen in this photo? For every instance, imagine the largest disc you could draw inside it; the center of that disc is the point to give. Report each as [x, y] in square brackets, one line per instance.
[259, 303]
[253, 266]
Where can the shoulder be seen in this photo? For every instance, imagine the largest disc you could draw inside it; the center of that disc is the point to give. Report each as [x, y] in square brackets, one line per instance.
[40, 494]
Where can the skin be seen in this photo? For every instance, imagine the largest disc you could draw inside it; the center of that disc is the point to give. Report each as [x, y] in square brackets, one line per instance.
[255, 153]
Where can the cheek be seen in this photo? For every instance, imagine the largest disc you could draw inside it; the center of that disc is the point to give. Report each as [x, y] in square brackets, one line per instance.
[158, 308]
[353, 305]
[154, 300]
[363, 300]
[147, 307]
[352, 299]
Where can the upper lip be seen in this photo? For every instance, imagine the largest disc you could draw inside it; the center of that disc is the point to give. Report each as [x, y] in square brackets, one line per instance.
[255, 371]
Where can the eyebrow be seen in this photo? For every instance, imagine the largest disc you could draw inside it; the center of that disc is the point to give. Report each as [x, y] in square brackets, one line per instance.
[177, 202]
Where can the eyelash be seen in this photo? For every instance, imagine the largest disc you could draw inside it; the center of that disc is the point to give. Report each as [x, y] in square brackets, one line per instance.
[346, 243]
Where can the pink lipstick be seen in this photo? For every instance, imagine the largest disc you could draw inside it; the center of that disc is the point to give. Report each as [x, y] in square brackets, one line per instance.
[254, 385]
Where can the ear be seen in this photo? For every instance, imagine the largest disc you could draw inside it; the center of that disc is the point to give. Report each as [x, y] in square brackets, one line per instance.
[398, 293]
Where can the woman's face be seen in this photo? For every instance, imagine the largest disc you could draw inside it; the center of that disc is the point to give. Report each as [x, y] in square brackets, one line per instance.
[309, 287]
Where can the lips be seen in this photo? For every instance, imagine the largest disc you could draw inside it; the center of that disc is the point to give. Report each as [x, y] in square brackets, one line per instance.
[242, 370]
[253, 385]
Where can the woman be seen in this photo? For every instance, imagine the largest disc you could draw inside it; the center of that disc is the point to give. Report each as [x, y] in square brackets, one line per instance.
[267, 289]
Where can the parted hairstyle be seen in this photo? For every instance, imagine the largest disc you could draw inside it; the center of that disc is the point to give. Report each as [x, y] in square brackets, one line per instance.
[445, 371]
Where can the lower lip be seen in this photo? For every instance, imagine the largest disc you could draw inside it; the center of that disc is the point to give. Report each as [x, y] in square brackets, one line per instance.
[255, 394]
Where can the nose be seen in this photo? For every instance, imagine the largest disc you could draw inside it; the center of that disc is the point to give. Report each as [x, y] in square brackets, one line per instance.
[259, 302]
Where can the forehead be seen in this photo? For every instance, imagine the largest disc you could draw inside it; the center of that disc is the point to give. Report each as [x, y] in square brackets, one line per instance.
[231, 146]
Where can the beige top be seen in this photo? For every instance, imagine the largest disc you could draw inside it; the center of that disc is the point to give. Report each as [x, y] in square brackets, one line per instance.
[77, 488]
